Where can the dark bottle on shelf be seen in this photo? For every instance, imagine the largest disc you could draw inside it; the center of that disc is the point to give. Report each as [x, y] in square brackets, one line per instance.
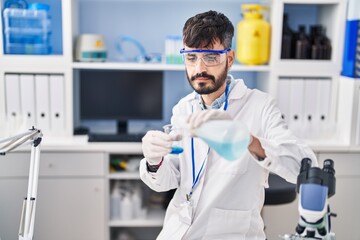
[316, 42]
[302, 46]
[326, 44]
[287, 40]
[320, 44]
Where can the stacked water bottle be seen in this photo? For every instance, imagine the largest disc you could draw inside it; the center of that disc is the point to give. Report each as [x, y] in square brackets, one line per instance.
[126, 201]
[27, 28]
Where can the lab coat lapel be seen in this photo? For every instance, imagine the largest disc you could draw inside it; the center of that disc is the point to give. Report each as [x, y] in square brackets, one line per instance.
[239, 90]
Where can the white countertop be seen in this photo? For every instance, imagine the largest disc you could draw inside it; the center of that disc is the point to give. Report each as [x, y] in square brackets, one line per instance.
[80, 143]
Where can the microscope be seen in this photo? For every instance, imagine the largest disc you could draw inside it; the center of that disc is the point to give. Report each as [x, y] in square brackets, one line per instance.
[314, 186]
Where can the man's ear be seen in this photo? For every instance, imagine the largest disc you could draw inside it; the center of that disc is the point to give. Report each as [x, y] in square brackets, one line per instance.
[231, 57]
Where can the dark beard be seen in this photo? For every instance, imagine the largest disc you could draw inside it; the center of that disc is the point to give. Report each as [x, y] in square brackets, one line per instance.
[202, 88]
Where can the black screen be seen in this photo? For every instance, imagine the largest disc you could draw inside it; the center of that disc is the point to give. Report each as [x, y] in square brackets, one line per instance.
[121, 95]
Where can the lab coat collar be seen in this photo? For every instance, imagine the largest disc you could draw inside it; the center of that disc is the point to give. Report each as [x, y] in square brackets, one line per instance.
[239, 89]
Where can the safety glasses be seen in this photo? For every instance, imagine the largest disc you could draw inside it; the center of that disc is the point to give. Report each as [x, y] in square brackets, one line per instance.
[209, 57]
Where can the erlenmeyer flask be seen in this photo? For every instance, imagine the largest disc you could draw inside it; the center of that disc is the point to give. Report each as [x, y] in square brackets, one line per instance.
[228, 138]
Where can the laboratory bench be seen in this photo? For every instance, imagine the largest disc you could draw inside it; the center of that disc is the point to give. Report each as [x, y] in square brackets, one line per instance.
[75, 186]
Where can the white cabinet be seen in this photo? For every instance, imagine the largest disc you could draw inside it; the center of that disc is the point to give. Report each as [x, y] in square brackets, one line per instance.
[280, 219]
[58, 63]
[71, 195]
[331, 15]
[13, 191]
[70, 209]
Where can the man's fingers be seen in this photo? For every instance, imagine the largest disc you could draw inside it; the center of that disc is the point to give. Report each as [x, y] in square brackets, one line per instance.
[158, 138]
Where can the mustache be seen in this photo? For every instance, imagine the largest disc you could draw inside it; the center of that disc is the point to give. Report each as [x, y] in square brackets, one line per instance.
[203, 74]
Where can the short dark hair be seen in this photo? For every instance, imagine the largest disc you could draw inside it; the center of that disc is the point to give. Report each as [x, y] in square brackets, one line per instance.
[203, 29]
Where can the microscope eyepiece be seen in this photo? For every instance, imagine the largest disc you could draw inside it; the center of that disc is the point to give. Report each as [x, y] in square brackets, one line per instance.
[329, 166]
[305, 164]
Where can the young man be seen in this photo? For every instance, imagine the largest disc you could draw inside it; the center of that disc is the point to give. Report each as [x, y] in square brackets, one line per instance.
[216, 198]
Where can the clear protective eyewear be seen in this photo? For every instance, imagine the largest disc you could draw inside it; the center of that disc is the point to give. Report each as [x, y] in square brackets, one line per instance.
[210, 57]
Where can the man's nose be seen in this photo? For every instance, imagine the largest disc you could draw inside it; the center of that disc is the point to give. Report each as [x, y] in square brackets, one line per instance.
[200, 65]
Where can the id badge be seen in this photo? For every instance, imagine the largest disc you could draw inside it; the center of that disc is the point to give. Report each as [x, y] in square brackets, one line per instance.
[186, 210]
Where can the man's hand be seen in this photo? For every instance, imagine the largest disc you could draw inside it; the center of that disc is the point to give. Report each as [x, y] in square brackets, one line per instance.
[155, 145]
[196, 119]
[256, 149]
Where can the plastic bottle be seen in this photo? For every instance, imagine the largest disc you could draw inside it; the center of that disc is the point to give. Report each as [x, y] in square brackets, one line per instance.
[126, 207]
[136, 202]
[228, 138]
[287, 41]
[115, 199]
[302, 44]
[125, 235]
[253, 36]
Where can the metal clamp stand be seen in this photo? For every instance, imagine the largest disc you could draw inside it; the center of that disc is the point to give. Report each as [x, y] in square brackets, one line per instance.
[34, 136]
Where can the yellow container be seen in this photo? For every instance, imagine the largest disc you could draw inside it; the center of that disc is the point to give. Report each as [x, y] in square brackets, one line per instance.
[253, 36]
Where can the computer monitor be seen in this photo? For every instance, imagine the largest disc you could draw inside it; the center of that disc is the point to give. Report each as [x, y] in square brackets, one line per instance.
[121, 96]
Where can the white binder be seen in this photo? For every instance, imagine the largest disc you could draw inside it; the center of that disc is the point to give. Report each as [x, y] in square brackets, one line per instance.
[12, 103]
[311, 121]
[27, 91]
[296, 106]
[324, 98]
[12, 97]
[283, 96]
[57, 103]
[42, 102]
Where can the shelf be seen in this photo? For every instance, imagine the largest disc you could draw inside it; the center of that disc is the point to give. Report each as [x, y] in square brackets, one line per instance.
[124, 175]
[33, 61]
[156, 66]
[314, 68]
[313, 2]
[128, 66]
[181, 1]
[154, 218]
[250, 68]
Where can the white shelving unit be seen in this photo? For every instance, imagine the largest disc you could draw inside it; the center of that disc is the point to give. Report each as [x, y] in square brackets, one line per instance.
[153, 218]
[331, 14]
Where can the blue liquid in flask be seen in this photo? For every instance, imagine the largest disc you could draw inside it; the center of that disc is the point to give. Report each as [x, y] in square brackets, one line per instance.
[228, 150]
[228, 138]
[176, 150]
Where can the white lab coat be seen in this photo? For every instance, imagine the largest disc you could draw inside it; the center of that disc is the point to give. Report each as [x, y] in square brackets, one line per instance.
[230, 194]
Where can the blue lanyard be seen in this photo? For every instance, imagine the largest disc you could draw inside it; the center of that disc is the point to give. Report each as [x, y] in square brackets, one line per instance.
[197, 177]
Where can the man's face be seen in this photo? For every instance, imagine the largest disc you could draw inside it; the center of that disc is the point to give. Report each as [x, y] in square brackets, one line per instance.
[209, 79]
